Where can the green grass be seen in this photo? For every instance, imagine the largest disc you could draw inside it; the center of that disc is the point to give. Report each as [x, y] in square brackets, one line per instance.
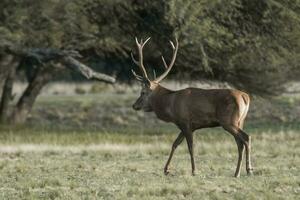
[128, 164]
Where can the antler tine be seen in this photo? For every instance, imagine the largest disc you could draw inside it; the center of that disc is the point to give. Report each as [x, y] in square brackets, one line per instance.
[137, 42]
[174, 52]
[133, 59]
[140, 62]
[143, 44]
[172, 45]
[165, 64]
[138, 77]
[154, 74]
[175, 49]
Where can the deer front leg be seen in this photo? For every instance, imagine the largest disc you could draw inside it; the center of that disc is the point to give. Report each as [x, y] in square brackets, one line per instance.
[189, 140]
[177, 142]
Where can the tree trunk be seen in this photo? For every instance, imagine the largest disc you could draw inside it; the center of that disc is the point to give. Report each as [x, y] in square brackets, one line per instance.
[43, 75]
[5, 60]
[25, 103]
[7, 92]
[6, 97]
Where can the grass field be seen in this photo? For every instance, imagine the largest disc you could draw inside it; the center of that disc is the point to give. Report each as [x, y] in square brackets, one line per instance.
[68, 152]
[99, 165]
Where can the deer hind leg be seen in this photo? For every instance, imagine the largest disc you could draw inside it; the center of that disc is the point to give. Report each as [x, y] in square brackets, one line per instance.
[246, 139]
[247, 142]
[241, 137]
[177, 142]
[241, 148]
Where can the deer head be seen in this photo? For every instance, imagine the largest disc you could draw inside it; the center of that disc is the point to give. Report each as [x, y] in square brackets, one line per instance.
[148, 86]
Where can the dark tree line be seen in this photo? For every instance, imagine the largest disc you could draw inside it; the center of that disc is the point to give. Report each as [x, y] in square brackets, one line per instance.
[252, 44]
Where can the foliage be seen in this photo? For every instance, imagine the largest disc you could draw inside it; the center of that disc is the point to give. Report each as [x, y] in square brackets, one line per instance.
[252, 44]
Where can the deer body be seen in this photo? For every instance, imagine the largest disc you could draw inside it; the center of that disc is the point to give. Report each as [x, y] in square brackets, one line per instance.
[197, 108]
[194, 108]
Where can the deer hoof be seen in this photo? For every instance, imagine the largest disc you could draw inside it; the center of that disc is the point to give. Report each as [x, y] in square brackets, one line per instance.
[250, 172]
[237, 175]
[166, 171]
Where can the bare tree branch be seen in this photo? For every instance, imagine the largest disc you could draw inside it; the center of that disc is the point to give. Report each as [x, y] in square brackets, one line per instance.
[66, 57]
[87, 72]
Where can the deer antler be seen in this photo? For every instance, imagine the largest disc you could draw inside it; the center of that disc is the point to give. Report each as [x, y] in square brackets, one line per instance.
[140, 62]
[138, 77]
[168, 68]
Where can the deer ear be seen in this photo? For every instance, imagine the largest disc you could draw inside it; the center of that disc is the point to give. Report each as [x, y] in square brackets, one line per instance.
[145, 83]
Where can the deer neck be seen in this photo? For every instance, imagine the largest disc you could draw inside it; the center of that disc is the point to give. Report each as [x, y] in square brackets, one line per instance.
[161, 102]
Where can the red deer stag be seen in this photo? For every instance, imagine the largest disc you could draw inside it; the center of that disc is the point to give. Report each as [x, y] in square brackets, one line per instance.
[194, 108]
